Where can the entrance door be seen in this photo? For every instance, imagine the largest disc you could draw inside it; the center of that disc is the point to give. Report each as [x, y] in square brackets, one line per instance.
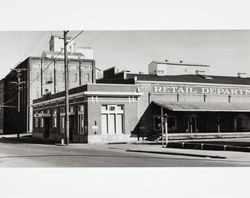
[81, 124]
[104, 124]
[192, 124]
[71, 126]
[112, 119]
[47, 125]
[119, 123]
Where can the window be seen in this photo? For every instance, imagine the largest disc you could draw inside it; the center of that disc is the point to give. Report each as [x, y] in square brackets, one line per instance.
[36, 122]
[75, 77]
[41, 122]
[104, 107]
[62, 110]
[81, 124]
[81, 108]
[38, 78]
[112, 119]
[119, 107]
[171, 123]
[62, 124]
[54, 119]
[87, 78]
[37, 92]
[157, 123]
[71, 109]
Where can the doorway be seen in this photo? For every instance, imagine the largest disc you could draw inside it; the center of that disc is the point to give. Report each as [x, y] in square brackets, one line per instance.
[192, 121]
[112, 119]
[71, 126]
[47, 126]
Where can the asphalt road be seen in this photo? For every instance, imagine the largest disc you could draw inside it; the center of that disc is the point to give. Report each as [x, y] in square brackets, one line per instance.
[13, 154]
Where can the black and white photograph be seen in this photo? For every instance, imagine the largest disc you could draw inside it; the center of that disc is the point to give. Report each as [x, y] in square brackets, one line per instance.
[122, 95]
[169, 98]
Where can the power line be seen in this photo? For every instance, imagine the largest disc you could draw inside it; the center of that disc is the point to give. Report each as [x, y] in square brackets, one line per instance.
[36, 44]
[97, 38]
[7, 92]
[76, 36]
[45, 67]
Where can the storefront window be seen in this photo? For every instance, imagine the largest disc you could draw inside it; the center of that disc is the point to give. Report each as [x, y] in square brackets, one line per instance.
[157, 123]
[41, 122]
[62, 124]
[36, 122]
[171, 123]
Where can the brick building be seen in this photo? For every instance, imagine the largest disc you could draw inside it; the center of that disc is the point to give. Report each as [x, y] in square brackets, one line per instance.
[42, 76]
[98, 113]
[196, 103]
[124, 105]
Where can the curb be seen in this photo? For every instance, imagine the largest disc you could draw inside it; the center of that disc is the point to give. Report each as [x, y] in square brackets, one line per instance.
[173, 153]
[208, 146]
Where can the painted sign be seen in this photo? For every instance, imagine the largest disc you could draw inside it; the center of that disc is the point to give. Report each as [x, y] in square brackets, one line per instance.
[204, 90]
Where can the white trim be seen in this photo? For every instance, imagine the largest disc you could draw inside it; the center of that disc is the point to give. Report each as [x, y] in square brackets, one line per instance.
[90, 93]
[112, 84]
[102, 93]
[191, 83]
[59, 98]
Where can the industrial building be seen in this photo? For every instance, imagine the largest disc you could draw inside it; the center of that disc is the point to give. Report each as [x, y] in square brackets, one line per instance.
[122, 105]
[41, 76]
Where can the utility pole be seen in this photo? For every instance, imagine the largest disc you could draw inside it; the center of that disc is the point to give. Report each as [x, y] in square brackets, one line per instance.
[19, 88]
[66, 77]
[164, 128]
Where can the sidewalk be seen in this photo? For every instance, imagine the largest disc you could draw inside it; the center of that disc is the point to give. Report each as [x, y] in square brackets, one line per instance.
[157, 149]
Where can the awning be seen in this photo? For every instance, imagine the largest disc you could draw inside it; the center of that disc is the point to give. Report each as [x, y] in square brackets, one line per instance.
[204, 106]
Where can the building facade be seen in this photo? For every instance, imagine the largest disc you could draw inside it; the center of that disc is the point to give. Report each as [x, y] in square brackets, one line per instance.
[40, 76]
[97, 113]
[123, 106]
[194, 103]
[1, 106]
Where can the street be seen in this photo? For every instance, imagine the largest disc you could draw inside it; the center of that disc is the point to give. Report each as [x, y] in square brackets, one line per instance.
[19, 154]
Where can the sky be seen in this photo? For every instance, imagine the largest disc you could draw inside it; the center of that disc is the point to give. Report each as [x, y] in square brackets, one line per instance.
[226, 51]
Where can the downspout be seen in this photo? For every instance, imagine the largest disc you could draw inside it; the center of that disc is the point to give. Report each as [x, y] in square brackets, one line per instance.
[93, 72]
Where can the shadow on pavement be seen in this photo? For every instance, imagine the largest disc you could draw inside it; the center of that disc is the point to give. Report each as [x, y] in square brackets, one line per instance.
[25, 140]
